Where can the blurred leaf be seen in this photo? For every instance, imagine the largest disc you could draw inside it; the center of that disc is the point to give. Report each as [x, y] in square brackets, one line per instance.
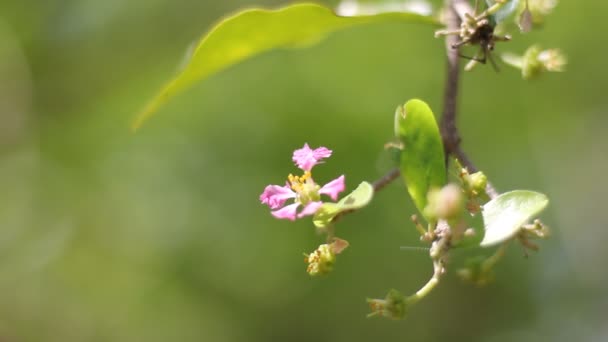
[357, 199]
[422, 158]
[504, 215]
[253, 31]
[505, 11]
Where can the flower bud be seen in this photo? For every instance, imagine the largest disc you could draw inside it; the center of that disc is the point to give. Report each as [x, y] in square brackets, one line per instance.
[477, 182]
[393, 306]
[447, 203]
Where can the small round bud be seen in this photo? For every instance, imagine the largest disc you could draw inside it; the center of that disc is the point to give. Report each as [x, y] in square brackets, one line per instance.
[477, 182]
[447, 203]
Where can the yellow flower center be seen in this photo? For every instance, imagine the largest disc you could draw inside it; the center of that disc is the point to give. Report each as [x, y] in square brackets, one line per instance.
[305, 187]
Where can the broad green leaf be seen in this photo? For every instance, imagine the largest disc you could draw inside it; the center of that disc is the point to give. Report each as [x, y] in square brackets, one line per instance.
[422, 157]
[253, 31]
[357, 199]
[504, 215]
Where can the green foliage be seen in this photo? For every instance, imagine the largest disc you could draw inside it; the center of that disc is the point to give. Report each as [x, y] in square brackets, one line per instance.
[504, 216]
[357, 199]
[422, 158]
[253, 31]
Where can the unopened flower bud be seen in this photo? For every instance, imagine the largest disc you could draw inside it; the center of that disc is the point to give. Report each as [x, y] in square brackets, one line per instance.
[393, 306]
[477, 182]
[447, 203]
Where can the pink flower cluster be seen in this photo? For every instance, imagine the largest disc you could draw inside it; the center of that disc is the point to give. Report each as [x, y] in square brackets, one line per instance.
[302, 189]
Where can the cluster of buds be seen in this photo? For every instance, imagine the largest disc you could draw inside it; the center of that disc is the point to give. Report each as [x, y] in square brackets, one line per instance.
[474, 186]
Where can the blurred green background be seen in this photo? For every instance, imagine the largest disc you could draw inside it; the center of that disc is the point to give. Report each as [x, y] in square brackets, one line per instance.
[159, 236]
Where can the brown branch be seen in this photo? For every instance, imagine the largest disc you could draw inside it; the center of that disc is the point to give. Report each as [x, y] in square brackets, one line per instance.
[448, 128]
[450, 134]
[377, 185]
[387, 179]
[455, 10]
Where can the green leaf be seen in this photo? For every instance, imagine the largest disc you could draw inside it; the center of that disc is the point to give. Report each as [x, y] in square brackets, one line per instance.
[504, 215]
[253, 31]
[422, 157]
[357, 199]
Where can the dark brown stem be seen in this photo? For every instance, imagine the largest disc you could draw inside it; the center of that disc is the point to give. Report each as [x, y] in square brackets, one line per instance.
[378, 185]
[386, 180]
[449, 130]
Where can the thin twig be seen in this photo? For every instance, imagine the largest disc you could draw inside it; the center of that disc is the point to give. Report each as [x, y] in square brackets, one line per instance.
[449, 130]
[387, 179]
[378, 186]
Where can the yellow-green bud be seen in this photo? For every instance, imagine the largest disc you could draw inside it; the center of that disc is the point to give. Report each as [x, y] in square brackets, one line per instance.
[477, 182]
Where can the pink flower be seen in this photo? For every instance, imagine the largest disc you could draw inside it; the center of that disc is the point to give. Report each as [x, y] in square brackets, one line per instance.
[302, 189]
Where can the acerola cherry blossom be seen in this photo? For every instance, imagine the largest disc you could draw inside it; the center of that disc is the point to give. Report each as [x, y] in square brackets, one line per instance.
[302, 189]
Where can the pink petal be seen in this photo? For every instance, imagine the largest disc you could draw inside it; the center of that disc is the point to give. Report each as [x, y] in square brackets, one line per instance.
[306, 158]
[287, 212]
[275, 195]
[333, 188]
[310, 209]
